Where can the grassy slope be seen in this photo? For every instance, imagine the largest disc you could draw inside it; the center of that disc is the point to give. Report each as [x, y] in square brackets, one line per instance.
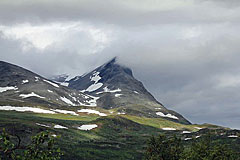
[117, 137]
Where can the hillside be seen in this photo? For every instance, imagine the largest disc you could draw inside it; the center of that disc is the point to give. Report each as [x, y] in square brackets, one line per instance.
[105, 114]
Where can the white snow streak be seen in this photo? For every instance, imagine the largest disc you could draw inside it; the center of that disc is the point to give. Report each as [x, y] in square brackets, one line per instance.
[87, 127]
[60, 127]
[91, 111]
[232, 136]
[64, 99]
[96, 85]
[169, 129]
[30, 95]
[53, 84]
[136, 92]
[43, 125]
[25, 81]
[107, 90]
[186, 132]
[198, 128]
[118, 95]
[3, 89]
[25, 109]
[119, 113]
[167, 115]
[64, 84]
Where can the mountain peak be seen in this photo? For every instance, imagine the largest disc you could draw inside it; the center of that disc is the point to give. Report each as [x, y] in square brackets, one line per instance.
[113, 60]
[115, 68]
[116, 88]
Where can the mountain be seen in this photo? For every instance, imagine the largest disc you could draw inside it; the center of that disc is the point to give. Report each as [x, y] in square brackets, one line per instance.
[110, 115]
[21, 86]
[110, 86]
[117, 88]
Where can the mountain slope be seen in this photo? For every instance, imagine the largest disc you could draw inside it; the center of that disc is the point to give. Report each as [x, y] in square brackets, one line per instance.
[117, 89]
[21, 86]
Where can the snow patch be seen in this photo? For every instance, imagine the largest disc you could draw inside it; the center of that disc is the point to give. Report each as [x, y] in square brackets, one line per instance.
[3, 89]
[111, 91]
[30, 95]
[84, 96]
[53, 84]
[25, 109]
[87, 127]
[186, 132]
[65, 112]
[232, 136]
[186, 139]
[50, 91]
[169, 129]
[94, 87]
[43, 125]
[95, 77]
[64, 99]
[198, 136]
[64, 84]
[60, 127]
[76, 78]
[91, 103]
[167, 115]
[198, 128]
[74, 98]
[37, 79]
[136, 92]
[118, 95]
[119, 113]
[91, 111]
[25, 81]
[158, 108]
[107, 90]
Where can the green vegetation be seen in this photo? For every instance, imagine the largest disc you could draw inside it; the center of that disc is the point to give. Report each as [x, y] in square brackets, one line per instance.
[163, 148]
[116, 137]
[171, 148]
[41, 147]
[159, 123]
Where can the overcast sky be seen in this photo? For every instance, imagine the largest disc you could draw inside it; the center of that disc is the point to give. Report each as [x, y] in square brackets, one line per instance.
[186, 52]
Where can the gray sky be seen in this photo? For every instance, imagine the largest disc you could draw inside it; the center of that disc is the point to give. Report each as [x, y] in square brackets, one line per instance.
[186, 52]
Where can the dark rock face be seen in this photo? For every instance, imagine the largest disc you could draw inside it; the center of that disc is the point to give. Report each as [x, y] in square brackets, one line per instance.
[12, 75]
[17, 82]
[114, 77]
[117, 88]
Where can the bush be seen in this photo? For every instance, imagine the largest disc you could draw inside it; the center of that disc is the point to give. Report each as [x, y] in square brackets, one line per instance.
[40, 148]
[163, 148]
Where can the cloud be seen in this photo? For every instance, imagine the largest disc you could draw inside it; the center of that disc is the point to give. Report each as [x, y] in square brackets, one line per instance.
[123, 13]
[185, 52]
